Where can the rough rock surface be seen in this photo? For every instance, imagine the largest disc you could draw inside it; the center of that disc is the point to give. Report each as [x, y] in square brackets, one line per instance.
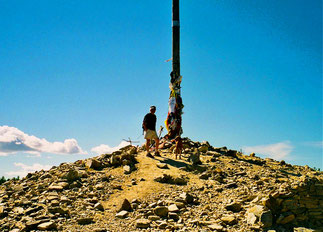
[209, 189]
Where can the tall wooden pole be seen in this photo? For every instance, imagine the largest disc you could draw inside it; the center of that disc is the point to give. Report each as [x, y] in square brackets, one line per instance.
[175, 44]
[174, 117]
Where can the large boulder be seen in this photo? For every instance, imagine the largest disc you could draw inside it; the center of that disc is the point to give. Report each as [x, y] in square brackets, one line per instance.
[253, 214]
[161, 211]
[94, 164]
[187, 198]
[266, 218]
[125, 205]
[47, 226]
[142, 223]
[115, 160]
[168, 179]
[234, 207]
[194, 157]
[71, 175]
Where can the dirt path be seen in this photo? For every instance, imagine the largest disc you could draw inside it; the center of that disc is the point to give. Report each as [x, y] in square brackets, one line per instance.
[147, 169]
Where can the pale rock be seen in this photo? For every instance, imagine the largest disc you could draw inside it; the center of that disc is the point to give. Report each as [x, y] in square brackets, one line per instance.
[205, 143]
[54, 187]
[94, 164]
[162, 225]
[179, 204]
[215, 227]
[126, 169]
[63, 184]
[31, 225]
[194, 157]
[15, 230]
[18, 210]
[153, 217]
[161, 211]
[188, 198]
[142, 223]
[122, 214]
[152, 205]
[229, 220]
[173, 208]
[54, 203]
[205, 176]
[257, 210]
[203, 148]
[99, 186]
[303, 229]
[99, 206]
[115, 160]
[72, 175]
[64, 199]
[213, 153]
[162, 165]
[132, 150]
[47, 226]
[1, 211]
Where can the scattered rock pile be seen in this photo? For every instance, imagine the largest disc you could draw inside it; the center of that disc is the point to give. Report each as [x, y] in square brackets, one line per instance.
[67, 194]
[167, 179]
[211, 189]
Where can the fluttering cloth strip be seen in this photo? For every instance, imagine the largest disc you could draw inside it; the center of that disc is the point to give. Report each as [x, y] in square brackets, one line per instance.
[174, 118]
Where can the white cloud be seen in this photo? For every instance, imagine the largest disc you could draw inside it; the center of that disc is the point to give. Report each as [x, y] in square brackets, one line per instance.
[13, 140]
[103, 149]
[25, 169]
[276, 151]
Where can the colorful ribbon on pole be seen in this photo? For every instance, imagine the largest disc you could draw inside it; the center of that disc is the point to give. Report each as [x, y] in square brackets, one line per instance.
[175, 105]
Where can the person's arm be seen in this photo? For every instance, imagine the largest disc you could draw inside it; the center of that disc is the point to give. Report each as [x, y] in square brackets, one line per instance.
[144, 124]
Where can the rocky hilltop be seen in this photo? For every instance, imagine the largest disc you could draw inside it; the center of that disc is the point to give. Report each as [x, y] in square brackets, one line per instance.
[209, 189]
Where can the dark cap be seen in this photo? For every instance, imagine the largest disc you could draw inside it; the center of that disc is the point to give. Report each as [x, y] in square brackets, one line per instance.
[152, 108]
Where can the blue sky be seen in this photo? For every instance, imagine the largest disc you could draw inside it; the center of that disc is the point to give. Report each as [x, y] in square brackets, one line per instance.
[77, 77]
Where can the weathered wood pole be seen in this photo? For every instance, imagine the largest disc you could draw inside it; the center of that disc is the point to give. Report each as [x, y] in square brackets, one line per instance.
[175, 44]
[174, 117]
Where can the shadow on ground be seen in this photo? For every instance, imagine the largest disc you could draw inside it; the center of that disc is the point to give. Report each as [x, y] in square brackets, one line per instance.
[174, 163]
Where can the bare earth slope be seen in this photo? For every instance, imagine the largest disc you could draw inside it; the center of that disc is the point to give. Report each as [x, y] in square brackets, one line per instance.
[127, 191]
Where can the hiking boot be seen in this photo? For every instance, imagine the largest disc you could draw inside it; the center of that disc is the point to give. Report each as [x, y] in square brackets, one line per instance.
[149, 155]
[157, 154]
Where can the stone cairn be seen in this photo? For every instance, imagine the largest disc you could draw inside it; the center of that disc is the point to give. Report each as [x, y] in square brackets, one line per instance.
[216, 189]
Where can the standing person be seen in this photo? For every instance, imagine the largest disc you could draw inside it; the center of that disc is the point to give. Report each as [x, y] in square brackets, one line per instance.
[149, 126]
[179, 147]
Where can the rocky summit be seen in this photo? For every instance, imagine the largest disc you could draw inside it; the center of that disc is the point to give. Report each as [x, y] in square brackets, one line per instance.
[209, 189]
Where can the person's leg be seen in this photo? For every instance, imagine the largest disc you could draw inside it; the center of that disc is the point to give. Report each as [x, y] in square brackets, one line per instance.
[147, 145]
[157, 144]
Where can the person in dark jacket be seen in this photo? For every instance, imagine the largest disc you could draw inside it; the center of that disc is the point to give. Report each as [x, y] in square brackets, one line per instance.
[149, 126]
